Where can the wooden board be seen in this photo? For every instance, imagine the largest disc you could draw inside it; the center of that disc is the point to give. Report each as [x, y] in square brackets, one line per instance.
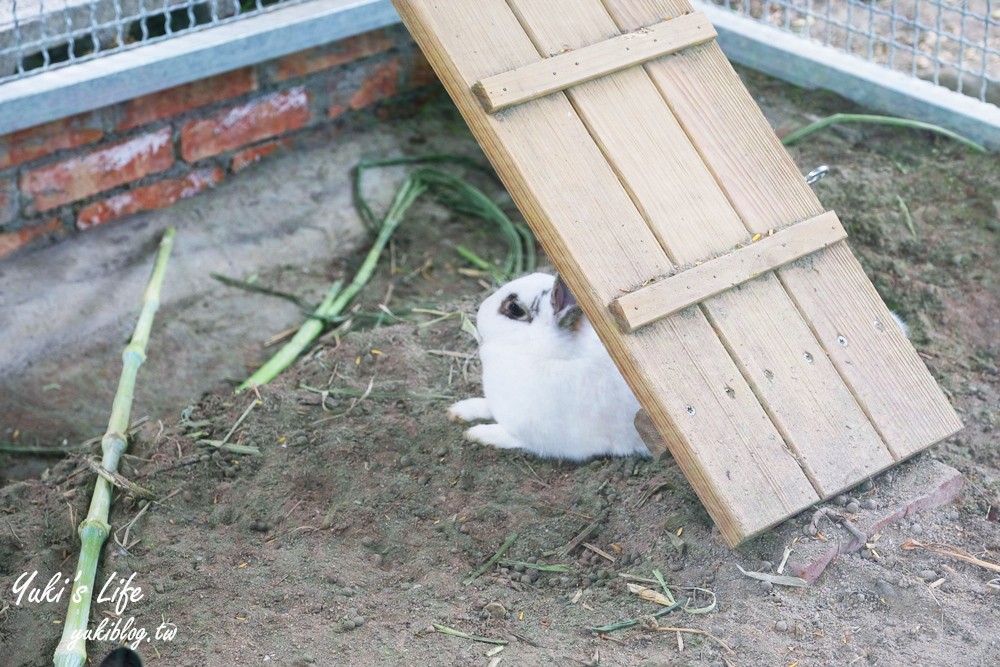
[619, 191]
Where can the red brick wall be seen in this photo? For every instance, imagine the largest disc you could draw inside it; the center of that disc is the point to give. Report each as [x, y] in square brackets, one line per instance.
[73, 174]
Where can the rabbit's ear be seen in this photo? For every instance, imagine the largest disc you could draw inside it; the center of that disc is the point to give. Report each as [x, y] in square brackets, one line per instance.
[564, 306]
[122, 657]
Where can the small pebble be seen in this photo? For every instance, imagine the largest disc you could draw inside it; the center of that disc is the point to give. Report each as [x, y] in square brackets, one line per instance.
[809, 530]
[358, 621]
[347, 592]
[765, 566]
[676, 567]
[496, 610]
[953, 515]
[533, 575]
[884, 590]
[405, 461]
[853, 507]
[423, 480]
[869, 504]
[367, 541]
[766, 586]
[518, 567]
[840, 500]
[781, 626]
[441, 453]
[526, 579]
[347, 626]
[927, 575]
[917, 529]
[866, 486]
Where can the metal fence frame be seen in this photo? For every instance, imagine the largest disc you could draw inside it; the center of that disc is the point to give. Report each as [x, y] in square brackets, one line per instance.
[195, 55]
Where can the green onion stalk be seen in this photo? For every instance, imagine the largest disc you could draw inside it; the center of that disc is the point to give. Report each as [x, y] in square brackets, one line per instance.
[72, 649]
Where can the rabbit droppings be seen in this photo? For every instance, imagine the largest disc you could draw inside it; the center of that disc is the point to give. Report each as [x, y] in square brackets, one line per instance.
[549, 384]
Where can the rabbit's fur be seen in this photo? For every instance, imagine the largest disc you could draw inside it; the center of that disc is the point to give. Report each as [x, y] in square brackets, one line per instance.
[548, 382]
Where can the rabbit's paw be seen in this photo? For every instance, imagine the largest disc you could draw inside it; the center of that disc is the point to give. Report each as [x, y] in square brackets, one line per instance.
[471, 409]
[492, 434]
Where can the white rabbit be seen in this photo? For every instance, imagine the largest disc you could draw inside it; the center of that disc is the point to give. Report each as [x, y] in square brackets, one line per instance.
[548, 382]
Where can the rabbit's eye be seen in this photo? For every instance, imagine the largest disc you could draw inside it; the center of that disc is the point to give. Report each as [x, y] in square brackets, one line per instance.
[514, 310]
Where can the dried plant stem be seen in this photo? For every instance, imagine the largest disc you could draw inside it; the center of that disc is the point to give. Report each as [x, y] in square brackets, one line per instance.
[508, 543]
[72, 648]
[336, 300]
[878, 120]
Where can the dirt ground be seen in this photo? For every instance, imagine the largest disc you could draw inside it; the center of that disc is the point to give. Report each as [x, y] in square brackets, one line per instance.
[352, 531]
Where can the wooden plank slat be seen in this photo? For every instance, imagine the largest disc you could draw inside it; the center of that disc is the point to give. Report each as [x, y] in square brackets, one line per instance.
[773, 347]
[590, 227]
[572, 68]
[891, 383]
[698, 283]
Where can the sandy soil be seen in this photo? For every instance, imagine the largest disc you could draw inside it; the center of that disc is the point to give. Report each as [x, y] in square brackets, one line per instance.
[352, 532]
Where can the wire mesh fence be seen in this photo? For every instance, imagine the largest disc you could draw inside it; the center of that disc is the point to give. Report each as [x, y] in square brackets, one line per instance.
[954, 43]
[40, 35]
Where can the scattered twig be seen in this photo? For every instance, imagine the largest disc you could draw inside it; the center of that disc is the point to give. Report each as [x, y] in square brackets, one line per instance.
[632, 622]
[119, 480]
[906, 216]
[508, 543]
[355, 393]
[445, 630]
[239, 421]
[541, 567]
[784, 560]
[260, 289]
[649, 595]
[695, 631]
[600, 552]
[777, 579]
[836, 517]
[652, 487]
[10, 448]
[124, 543]
[576, 541]
[14, 534]
[950, 552]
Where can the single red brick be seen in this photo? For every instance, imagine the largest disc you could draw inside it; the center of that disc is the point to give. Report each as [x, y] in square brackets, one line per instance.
[260, 119]
[338, 53]
[177, 100]
[382, 83]
[421, 72]
[8, 201]
[11, 241]
[249, 156]
[41, 140]
[85, 175]
[148, 197]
